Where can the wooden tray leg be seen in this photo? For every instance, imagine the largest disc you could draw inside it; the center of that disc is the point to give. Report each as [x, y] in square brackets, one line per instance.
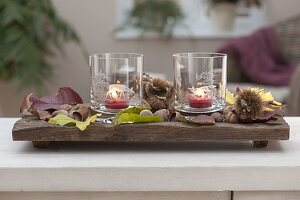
[259, 143]
[41, 144]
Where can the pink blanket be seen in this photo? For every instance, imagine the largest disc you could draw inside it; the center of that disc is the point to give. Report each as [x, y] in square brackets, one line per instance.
[260, 58]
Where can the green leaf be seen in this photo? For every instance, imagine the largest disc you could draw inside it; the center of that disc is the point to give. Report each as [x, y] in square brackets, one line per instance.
[160, 16]
[230, 98]
[131, 115]
[63, 120]
[11, 13]
[133, 110]
[31, 32]
[127, 118]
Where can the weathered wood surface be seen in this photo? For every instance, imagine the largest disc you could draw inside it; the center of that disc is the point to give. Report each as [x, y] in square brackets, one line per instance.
[37, 130]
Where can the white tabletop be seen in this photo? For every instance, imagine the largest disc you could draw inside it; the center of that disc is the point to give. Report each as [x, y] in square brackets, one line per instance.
[207, 166]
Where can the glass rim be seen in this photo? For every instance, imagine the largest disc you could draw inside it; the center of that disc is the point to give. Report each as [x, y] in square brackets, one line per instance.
[200, 55]
[117, 55]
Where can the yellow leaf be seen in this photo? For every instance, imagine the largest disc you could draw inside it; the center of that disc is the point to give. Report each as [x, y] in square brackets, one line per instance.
[220, 89]
[276, 103]
[258, 90]
[63, 120]
[265, 96]
[230, 99]
[267, 109]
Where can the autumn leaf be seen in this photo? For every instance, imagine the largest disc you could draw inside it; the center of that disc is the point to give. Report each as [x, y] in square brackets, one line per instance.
[63, 120]
[265, 96]
[127, 118]
[230, 99]
[42, 114]
[132, 110]
[64, 95]
[271, 109]
[271, 114]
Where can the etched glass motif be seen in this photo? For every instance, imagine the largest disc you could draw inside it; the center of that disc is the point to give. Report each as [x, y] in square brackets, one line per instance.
[205, 78]
[101, 84]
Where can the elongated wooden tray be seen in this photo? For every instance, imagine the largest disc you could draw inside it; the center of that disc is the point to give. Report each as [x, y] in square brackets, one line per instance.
[42, 133]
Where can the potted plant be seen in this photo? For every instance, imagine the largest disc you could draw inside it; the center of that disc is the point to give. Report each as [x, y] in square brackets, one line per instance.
[30, 33]
[222, 12]
[158, 16]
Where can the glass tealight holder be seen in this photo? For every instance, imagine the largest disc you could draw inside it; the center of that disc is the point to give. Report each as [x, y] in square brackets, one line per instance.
[200, 82]
[116, 81]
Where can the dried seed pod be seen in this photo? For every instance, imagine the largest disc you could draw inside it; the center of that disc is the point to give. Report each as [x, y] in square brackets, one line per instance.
[158, 93]
[66, 107]
[174, 117]
[59, 112]
[145, 103]
[147, 78]
[248, 104]
[217, 116]
[156, 103]
[80, 114]
[231, 117]
[160, 84]
[75, 115]
[163, 114]
[227, 110]
[80, 106]
[146, 113]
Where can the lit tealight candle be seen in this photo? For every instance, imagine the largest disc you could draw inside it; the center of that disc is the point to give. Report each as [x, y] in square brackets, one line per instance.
[200, 98]
[116, 97]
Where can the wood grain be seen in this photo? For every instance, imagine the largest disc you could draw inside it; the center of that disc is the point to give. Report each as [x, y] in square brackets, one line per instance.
[37, 130]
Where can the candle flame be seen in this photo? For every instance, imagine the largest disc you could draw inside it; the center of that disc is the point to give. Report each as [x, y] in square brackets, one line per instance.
[114, 93]
[204, 91]
[200, 92]
[200, 84]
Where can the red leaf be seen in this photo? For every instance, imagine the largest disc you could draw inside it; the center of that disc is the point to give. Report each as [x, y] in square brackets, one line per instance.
[41, 114]
[268, 115]
[26, 103]
[64, 95]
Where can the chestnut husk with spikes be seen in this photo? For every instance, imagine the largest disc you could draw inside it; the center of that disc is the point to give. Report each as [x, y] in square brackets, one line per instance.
[158, 93]
[248, 105]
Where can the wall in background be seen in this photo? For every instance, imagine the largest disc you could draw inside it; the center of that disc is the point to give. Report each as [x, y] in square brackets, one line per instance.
[279, 10]
[95, 21]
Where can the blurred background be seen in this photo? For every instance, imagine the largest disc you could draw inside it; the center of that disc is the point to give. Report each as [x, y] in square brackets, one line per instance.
[45, 44]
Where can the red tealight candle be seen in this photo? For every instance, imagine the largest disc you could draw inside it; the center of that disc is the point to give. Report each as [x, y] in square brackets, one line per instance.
[200, 99]
[116, 104]
[115, 97]
[200, 102]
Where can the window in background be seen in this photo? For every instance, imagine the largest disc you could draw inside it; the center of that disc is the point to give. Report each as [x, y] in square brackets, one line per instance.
[199, 20]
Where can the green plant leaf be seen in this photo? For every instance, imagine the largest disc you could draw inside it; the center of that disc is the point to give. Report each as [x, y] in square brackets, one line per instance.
[134, 110]
[160, 16]
[31, 32]
[131, 115]
[128, 118]
[63, 120]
